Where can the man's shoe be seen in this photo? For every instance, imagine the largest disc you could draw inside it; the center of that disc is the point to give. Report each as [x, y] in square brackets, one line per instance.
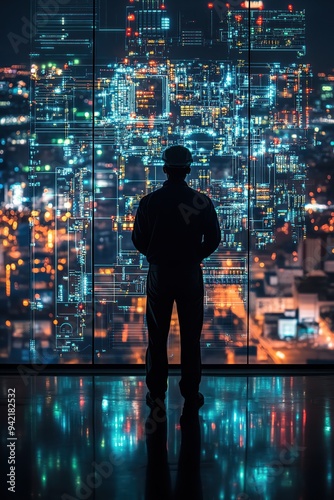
[194, 402]
[155, 401]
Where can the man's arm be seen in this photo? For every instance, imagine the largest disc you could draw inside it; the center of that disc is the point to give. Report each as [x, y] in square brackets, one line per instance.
[140, 237]
[212, 233]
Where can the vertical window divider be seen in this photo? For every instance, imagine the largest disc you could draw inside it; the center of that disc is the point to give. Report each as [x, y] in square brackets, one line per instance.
[249, 179]
[93, 183]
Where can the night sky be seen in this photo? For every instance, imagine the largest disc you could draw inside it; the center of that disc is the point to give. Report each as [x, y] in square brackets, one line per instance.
[319, 18]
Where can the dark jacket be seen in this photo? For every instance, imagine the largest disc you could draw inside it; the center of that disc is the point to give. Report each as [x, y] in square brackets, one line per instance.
[176, 225]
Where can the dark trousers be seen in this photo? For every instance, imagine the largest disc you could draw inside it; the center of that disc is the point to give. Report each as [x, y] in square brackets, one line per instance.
[164, 286]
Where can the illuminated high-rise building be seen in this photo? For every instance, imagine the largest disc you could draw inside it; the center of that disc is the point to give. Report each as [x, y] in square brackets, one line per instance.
[147, 27]
[267, 31]
[293, 87]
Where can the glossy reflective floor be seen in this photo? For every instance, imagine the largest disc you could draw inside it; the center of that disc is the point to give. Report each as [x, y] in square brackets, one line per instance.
[93, 437]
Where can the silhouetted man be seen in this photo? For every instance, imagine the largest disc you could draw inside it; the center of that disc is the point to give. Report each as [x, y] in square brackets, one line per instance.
[176, 228]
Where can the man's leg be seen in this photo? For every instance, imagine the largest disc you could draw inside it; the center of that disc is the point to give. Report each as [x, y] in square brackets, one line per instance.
[190, 312]
[159, 308]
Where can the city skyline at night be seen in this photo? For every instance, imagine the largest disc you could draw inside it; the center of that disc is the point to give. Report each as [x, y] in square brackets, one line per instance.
[318, 28]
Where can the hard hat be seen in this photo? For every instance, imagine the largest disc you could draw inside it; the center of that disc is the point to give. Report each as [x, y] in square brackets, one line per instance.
[177, 156]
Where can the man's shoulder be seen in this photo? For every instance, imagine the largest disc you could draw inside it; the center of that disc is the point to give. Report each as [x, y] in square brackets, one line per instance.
[162, 191]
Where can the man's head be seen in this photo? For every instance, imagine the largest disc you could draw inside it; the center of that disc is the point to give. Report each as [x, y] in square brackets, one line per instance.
[177, 161]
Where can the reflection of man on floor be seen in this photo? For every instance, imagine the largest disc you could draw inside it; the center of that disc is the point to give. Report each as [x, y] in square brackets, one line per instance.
[188, 482]
[176, 228]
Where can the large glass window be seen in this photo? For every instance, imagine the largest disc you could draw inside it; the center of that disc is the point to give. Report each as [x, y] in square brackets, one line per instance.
[91, 93]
